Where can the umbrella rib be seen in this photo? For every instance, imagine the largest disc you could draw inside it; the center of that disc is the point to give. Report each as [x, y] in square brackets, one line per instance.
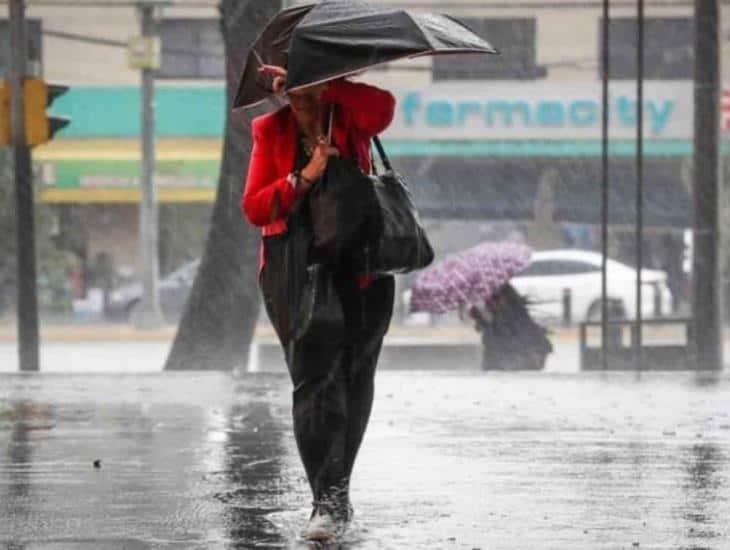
[416, 22]
[258, 57]
[447, 51]
[420, 29]
[467, 27]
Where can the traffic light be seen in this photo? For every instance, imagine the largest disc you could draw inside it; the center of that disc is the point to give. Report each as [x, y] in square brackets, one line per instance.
[4, 112]
[41, 126]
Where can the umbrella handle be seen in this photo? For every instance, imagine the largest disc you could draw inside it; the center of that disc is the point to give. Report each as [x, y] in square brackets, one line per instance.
[260, 62]
[257, 56]
[329, 125]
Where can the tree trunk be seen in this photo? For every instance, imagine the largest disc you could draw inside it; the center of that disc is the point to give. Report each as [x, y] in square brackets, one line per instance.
[219, 319]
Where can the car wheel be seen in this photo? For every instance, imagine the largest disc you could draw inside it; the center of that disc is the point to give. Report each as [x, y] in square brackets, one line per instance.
[594, 310]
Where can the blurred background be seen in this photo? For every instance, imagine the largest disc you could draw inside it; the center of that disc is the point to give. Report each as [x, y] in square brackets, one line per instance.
[503, 148]
[144, 264]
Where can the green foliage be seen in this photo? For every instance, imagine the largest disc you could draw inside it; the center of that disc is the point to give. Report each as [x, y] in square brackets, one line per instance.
[52, 263]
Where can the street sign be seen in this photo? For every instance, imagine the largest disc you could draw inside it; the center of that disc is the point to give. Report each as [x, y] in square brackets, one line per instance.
[143, 52]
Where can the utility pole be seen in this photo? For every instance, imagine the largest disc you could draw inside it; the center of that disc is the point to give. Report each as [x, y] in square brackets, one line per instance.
[639, 229]
[606, 60]
[145, 55]
[28, 339]
[706, 264]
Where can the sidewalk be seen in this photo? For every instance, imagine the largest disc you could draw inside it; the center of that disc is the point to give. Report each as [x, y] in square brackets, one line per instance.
[462, 460]
[108, 332]
[121, 348]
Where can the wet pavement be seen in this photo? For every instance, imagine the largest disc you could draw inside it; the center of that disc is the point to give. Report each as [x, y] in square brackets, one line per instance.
[148, 357]
[452, 460]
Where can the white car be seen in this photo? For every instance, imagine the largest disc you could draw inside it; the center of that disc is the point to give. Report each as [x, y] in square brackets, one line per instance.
[551, 272]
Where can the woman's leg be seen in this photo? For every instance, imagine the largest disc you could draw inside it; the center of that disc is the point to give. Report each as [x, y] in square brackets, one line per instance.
[333, 371]
[361, 388]
[320, 422]
[368, 313]
[317, 368]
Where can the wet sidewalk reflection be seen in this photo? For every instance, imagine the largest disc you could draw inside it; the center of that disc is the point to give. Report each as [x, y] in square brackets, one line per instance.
[452, 460]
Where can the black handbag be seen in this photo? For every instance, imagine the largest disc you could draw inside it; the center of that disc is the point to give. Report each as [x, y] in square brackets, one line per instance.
[400, 243]
[367, 223]
[342, 204]
[343, 208]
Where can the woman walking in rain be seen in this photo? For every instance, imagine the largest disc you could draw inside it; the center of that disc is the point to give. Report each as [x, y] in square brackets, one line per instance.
[511, 339]
[333, 374]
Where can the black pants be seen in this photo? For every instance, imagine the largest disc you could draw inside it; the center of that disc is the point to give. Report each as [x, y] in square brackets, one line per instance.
[333, 374]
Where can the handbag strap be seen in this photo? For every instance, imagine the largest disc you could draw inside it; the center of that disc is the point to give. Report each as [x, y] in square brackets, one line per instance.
[376, 140]
[381, 152]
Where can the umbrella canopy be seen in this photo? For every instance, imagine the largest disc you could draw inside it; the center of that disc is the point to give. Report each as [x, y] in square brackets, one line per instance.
[468, 277]
[270, 48]
[337, 38]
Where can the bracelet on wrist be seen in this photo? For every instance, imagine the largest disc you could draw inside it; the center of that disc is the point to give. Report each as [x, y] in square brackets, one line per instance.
[293, 179]
[298, 182]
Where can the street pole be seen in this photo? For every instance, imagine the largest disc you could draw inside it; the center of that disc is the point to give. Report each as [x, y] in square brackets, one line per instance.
[707, 292]
[28, 339]
[638, 332]
[605, 43]
[147, 313]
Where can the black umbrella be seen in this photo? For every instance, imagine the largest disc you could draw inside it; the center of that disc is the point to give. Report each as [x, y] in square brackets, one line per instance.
[337, 38]
[270, 48]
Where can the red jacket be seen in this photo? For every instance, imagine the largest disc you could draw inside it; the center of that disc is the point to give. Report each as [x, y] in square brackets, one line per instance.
[365, 111]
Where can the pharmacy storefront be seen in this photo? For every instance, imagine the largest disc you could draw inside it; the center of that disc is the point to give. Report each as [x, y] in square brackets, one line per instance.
[92, 171]
[495, 150]
[474, 150]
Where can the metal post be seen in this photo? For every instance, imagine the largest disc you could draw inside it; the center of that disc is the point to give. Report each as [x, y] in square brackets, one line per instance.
[567, 308]
[604, 185]
[615, 330]
[707, 293]
[28, 338]
[147, 314]
[637, 340]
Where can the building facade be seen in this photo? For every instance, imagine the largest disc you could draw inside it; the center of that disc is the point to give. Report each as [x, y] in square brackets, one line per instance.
[513, 138]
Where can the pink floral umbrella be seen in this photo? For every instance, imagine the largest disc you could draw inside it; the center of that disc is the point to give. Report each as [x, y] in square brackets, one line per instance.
[468, 277]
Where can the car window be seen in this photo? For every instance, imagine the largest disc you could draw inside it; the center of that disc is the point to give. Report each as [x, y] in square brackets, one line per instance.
[536, 269]
[557, 267]
[571, 267]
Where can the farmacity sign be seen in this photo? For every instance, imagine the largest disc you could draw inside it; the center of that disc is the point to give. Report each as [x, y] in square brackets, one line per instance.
[517, 110]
